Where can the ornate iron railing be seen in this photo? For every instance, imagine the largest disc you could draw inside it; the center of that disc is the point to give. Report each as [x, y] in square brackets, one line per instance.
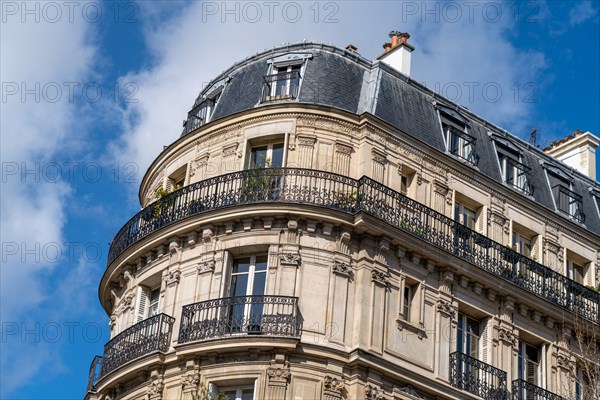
[94, 374]
[476, 377]
[245, 315]
[145, 337]
[523, 390]
[283, 85]
[332, 191]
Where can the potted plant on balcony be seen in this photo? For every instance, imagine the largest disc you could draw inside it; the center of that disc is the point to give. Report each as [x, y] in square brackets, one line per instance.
[346, 201]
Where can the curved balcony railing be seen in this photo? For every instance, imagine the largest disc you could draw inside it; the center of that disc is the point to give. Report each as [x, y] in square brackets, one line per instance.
[145, 337]
[478, 378]
[245, 315]
[523, 390]
[332, 191]
[94, 374]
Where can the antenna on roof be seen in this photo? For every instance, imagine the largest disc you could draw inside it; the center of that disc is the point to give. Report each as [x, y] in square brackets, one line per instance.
[533, 137]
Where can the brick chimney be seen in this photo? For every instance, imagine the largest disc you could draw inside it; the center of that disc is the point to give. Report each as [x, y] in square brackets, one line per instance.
[397, 53]
[577, 150]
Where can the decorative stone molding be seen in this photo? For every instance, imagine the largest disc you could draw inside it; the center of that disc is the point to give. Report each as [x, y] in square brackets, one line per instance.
[378, 156]
[447, 279]
[191, 238]
[172, 278]
[416, 328]
[231, 150]
[384, 245]
[174, 245]
[206, 266]
[208, 233]
[343, 148]
[445, 307]
[289, 259]
[303, 140]
[409, 392]
[381, 278]
[373, 393]
[236, 358]
[342, 268]
[190, 379]
[278, 376]
[333, 388]
[154, 391]
[507, 336]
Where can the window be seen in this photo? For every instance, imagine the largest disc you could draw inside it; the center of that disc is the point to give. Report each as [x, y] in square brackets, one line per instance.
[566, 200]
[458, 141]
[529, 368]
[522, 244]
[465, 215]
[148, 301]
[203, 110]
[514, 172]
[177, 179]
[575, 271]
[408, 298]
[266, 156]
[283, 83]
[468, 335]
[231, 392]
[248, 279]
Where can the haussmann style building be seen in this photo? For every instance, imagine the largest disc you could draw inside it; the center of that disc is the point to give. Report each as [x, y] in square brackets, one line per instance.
[328, 228]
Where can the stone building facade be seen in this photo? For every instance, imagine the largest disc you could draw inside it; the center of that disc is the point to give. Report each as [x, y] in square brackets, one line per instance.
[327, 228]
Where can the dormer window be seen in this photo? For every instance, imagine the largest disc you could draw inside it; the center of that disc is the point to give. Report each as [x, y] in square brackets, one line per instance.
[514, 172]
[284, 79]
[204, 107]
[566, 200]
[455, 129]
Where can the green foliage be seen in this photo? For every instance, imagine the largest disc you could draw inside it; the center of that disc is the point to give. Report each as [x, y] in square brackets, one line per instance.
[348, 200]
[161, 192]
[203, 394]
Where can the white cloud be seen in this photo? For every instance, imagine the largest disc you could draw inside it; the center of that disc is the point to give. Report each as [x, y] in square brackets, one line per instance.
[38, 128]
[196, 45]
[582, 12]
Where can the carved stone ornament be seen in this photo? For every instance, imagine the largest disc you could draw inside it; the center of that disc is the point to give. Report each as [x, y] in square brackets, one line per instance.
[230, 150]
[289, 259]
[155, 388]
[507, 336]
[380, 277]
[172, 278]
[373, 393]
[190, 379]
[333, 384]
[445, 307]
[306, 141]
[278, 376]
[206, 266]
[341, 268]
[378, 156]
[342, 148]
[410, 391]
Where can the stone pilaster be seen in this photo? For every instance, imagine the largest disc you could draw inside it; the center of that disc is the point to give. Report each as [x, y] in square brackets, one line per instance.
[278, 378]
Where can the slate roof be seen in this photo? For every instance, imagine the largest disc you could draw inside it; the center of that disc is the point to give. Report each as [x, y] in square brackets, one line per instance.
[345, 80]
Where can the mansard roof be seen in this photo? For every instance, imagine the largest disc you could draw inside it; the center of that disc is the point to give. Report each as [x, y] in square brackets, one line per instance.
[344, 80]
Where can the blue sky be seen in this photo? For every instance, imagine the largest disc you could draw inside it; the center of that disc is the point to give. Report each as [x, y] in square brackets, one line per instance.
[91, 91]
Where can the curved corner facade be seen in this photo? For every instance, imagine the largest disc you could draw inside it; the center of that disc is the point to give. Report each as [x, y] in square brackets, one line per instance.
[326, 228]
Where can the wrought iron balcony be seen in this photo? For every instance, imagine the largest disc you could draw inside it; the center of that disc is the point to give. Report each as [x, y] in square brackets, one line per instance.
[281, 86]
[336, 192]
[478, 378]
[245, 315]
[523, 390]
[150, 335]
[94, 374]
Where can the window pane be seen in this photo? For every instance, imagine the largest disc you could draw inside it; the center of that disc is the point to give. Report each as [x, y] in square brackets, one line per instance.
[277, 156]
[247, 394]
[239, 285]
[261, 263]
[259, 283]
[258, 157]
[242, 265]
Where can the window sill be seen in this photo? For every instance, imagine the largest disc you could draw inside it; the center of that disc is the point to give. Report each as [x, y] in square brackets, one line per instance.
[282, 97]
[412, 327]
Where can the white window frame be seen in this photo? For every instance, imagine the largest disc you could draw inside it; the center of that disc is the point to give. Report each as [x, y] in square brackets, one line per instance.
[465, 149]
[282, 68]
[269, 146]
[460, 209]
[214, 389]
[570, 271]
[517, 242]
[525, 362]
[143, 306]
